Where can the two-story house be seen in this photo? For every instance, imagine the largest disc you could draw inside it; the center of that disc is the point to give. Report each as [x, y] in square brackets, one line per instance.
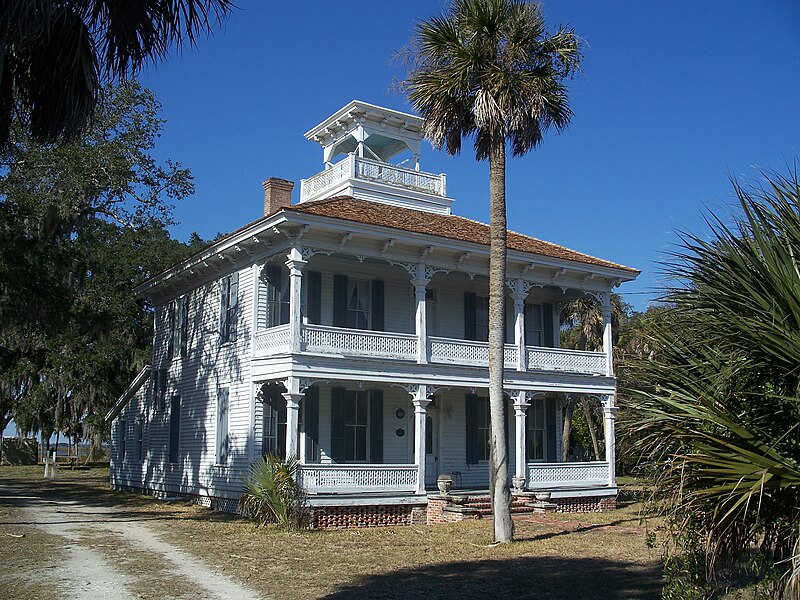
[350, 330]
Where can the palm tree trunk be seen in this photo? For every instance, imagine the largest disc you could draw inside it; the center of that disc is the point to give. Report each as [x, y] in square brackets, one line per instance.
[590, 423]
[566, 432]
[498, 463]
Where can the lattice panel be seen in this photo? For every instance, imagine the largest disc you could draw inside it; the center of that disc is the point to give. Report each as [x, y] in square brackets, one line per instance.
[359, 343]
[326, 178]
[353, 477]
[273, 340]
[572, 361]
[460, 352]
[563, 474]
[408, 178]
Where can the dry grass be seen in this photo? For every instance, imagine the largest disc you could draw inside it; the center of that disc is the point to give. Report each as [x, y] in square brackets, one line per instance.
[557, 556]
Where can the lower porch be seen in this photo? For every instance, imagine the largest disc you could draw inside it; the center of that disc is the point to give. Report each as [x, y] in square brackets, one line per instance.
[380, 445]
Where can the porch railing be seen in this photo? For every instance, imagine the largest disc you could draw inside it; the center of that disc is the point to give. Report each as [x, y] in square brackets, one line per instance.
[356, 342]
[365, 169]
[573, 361]
[321, 479]
[271, 341]
[322, 339]
[557, 475]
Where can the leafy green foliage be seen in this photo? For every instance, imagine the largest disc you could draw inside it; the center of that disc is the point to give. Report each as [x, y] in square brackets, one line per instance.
[83, 224]
[272, 494]
[712, 403]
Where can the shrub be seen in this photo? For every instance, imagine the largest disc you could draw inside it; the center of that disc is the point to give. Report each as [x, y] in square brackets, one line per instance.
[272, 495]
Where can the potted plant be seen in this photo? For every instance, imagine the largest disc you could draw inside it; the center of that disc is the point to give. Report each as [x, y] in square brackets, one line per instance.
[444, 482]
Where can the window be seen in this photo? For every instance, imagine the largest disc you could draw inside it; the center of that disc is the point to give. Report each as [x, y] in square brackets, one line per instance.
[358, 304]
[159, 389]
[174, 428]
[478, 428]
[277, 296]
[533, 324]
[535, 435]
[273, 440]
[357, 425]
[183, 325]
[481, 318]
[356, 419]
[223, 438]
[229, 304]
[139, 440]
[123, 431]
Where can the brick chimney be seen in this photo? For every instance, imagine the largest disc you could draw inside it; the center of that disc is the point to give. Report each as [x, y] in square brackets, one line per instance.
[277, 194]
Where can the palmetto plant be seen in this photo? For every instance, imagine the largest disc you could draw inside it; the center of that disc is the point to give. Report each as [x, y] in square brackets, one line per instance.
[272, 494]
[488, 69]
[55, 55]
[715, 407]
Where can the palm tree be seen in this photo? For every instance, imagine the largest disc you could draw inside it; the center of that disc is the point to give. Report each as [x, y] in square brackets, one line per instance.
[488, 69]
[714, 404]
[56, 55]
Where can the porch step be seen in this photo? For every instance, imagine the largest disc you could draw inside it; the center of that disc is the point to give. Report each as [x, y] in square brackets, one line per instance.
[483, 505]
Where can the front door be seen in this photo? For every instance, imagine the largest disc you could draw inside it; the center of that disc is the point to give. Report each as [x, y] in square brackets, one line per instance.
[431, 447]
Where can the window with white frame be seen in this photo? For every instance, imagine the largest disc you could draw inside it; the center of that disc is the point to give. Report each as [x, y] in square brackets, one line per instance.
[533, 324]
[356, 424]
[536, 430]
[358, 304]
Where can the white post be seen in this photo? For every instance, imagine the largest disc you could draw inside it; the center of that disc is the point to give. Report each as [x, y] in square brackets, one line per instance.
[293, 397]
[420, 400]
[606, 308]
[295, 263]
[521, 405]
[421, 321]
[519, 328]
[609, 418]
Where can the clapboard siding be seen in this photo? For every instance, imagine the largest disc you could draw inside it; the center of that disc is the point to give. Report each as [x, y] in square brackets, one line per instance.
[195, 378]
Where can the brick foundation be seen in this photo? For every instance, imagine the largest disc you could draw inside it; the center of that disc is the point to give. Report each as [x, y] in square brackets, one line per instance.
[366, 516]
[588, 504]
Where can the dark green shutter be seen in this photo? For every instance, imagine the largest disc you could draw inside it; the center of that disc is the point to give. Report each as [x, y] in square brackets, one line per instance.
[527, 313]
[171, 331]
[550, 428]
[505, 423]
[470, 325]
[340, 301]
[472, 428]
[224, 285]
[547, 326]
[508, 328]
[376, 426]
[234, 308]
[311, 423]
[377, 305]
[337, 425]
[314, 297]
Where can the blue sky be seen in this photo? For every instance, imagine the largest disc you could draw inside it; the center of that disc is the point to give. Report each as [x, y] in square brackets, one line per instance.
[674, 97]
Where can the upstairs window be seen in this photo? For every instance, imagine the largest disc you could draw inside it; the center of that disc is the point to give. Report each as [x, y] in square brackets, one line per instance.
[358, 304]
[533, 325]
[229, 305]
[275, 286]
[183, 325]
[170, 331]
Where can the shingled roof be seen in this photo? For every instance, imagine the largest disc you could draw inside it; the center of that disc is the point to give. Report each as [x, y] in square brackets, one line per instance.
[452, 227]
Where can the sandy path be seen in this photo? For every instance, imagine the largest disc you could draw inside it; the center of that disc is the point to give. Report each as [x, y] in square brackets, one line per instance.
[86, 573]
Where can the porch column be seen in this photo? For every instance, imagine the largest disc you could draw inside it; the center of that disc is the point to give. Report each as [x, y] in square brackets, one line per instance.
[521, 405]
[420, 400]
[293, 397]
[519, 327]
[295, 263]
[606, 308]
[420, 287]
[609, 418]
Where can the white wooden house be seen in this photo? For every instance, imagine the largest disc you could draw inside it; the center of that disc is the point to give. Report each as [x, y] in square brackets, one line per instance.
[349, 330]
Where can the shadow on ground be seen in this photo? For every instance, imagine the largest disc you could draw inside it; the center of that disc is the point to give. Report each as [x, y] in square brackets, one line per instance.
[544, 579]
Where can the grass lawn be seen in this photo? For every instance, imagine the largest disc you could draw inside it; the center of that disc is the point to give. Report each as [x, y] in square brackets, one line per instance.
[556, 556]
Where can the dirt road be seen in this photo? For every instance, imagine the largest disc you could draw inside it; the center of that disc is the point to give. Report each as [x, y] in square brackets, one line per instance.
[76, 548]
